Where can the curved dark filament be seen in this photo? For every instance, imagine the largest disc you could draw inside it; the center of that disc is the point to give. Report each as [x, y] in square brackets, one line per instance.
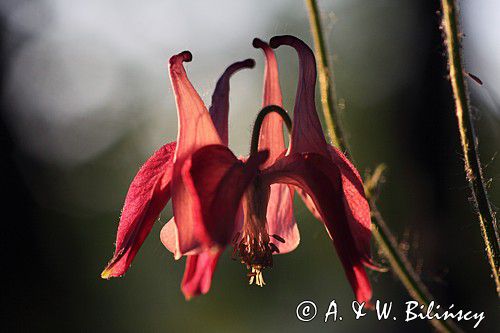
[260, 119]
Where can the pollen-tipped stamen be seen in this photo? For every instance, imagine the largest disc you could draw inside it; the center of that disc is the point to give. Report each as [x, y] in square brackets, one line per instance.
[257, 276]
[256, 253]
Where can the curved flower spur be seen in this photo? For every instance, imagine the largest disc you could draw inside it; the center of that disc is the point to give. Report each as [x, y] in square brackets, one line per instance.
[220, 200]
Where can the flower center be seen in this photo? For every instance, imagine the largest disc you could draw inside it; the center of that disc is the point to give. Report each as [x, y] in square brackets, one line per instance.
[253, 246]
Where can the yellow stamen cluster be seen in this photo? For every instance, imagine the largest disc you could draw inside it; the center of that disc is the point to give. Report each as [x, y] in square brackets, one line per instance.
[256, 253]
[257, 276]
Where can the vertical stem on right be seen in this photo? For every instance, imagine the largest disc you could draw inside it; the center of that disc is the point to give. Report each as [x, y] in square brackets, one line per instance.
[468, 139]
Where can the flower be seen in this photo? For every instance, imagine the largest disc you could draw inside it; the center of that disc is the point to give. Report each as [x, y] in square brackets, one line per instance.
[220, 200]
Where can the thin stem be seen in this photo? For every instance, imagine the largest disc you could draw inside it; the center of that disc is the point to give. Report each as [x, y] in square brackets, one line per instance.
[468, 139]
[400, 265]
[327, 89]
[403, 269]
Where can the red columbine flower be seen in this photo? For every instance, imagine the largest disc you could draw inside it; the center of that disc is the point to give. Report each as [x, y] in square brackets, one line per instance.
[220, 200]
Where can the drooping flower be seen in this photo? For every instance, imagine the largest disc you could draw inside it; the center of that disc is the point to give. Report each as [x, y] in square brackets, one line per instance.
[219, 200]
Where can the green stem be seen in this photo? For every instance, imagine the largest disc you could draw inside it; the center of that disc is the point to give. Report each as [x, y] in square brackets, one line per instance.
[469, 141]
[403, 269]
[327, 89]
[400, 265]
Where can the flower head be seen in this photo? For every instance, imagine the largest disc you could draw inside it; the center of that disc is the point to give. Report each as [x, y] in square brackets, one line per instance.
[220, 200]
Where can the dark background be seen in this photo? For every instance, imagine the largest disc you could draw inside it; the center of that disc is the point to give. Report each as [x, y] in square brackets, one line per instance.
[61, 203]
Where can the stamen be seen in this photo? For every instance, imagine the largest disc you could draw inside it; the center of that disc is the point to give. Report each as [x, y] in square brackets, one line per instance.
[256, 253]
[256, 275]
[236, 237]
[235, 250]
[274, 248]
[278, 238]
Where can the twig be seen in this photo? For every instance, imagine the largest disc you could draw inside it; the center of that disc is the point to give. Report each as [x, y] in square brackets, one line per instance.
[327, 89]
[468, 139]
[403, 269]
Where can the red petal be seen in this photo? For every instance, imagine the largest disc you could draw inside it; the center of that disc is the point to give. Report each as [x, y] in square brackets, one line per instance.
[149, 192]
[195, 131]
[271, 133]
[280, 220]
[168, 236]
[279, 214]
[195, 125]
[322, 181]
[199, 272]
[219, 109]
[168, 233]
[357, 207]
[309, 203]
[307, 134]
[220, 180]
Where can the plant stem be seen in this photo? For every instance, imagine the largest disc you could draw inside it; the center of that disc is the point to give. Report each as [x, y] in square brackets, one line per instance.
[400, 265]
[327, 89]
[468, 139]
[403, 269]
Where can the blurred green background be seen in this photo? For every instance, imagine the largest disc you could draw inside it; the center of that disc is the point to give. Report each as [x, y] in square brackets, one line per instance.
[86, 99]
